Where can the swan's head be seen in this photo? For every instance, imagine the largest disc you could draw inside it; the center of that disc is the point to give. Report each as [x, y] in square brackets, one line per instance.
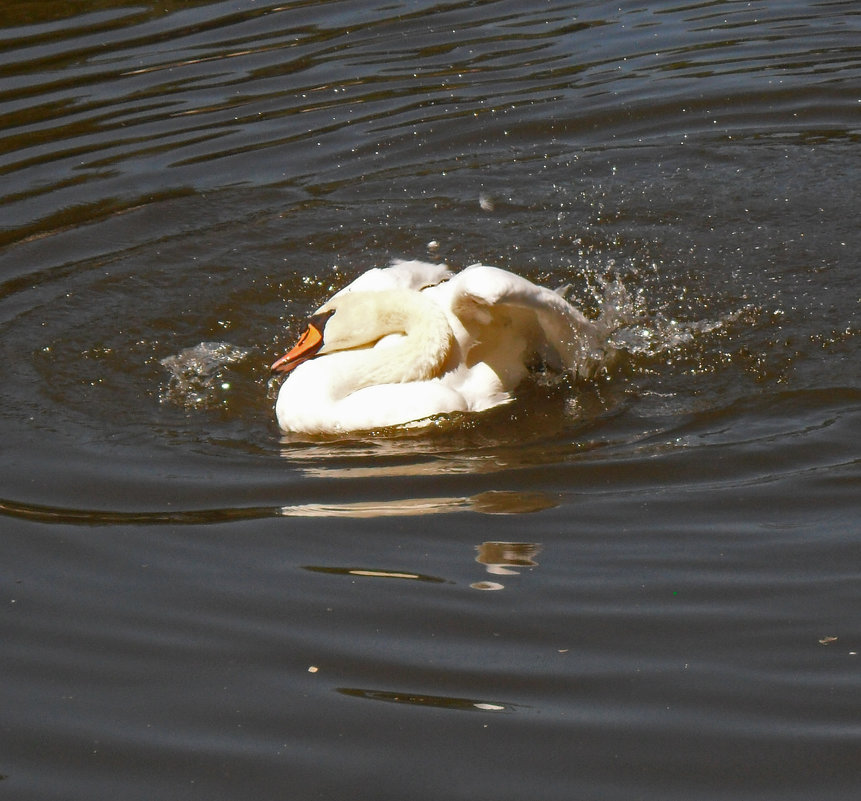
[349, 321]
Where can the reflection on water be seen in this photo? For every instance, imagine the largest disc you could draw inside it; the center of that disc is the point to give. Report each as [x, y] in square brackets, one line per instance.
[504, 559]
[494, 502]
[435, 701]
[491, 502]
[367, 573]
[106, 517]
[500, 441]
[500, 557]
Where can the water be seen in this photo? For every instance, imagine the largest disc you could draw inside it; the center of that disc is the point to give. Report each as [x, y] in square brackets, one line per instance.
[640, 587]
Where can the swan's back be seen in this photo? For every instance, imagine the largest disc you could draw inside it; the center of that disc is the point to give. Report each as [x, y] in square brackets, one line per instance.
[507, 322]
[414, 275]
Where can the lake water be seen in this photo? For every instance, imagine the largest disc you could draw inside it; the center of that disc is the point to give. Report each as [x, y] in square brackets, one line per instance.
[647, 586]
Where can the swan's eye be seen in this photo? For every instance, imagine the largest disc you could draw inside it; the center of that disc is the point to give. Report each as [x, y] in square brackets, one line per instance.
[319, 320]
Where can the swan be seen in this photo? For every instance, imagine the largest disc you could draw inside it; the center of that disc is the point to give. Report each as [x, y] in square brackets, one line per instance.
[405, 343]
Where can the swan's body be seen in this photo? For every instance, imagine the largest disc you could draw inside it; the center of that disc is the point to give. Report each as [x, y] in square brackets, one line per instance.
[411, 341]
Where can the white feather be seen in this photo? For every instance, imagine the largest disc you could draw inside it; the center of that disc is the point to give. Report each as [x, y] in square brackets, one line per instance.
[411, 341]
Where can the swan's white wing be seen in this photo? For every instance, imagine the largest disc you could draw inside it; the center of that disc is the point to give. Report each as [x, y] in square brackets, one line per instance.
[500, 321]
[505, 321]
[310, 401]
[415, 275]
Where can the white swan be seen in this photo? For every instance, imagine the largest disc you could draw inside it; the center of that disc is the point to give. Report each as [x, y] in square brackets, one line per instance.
[407, 342]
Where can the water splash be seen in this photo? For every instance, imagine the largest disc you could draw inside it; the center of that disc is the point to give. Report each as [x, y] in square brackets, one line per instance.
[660, 334]
[198, 376]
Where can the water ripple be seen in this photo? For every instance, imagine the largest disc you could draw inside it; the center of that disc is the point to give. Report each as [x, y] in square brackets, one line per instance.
[196, 605]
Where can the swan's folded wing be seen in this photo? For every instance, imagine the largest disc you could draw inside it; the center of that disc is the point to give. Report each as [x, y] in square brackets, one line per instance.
[509, 319]
[415, 275]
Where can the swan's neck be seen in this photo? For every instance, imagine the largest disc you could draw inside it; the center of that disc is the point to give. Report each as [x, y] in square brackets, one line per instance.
[416, 340]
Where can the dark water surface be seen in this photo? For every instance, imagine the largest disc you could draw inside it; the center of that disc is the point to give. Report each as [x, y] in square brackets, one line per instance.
[644, 587]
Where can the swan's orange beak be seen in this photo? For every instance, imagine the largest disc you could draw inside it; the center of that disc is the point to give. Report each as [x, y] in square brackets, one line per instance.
[307, 347]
